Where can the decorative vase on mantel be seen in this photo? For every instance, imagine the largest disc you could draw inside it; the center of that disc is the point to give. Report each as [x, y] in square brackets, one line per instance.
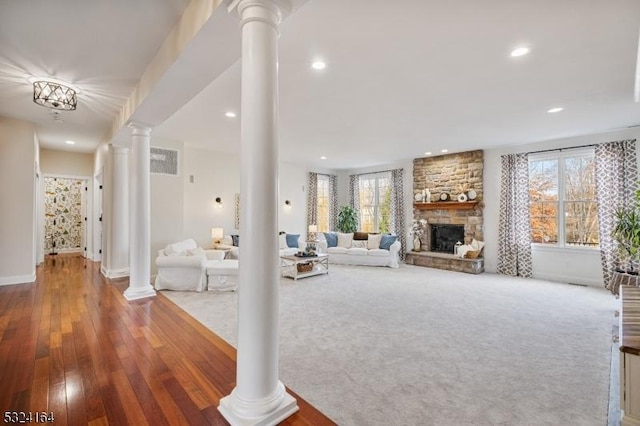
[416, 243]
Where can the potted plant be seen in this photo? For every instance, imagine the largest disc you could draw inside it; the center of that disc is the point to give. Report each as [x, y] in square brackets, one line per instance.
[627, 234]
[347, 220]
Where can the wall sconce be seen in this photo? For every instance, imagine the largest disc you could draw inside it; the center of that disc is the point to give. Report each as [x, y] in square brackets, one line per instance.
[287, 203]
[218, 202]
[217, 234]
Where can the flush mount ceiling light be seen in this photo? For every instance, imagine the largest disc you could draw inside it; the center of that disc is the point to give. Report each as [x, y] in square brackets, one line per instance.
[520, 51]
[323, 158]
[427, 153]
[444, 150]
[70, 142]
[55, 95]
[230, 114]
[554, 110]
[318, 65]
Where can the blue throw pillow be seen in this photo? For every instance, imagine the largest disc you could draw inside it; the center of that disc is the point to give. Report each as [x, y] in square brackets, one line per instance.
[292, 240]
[387, 240]
[236, 240]
[332, 239]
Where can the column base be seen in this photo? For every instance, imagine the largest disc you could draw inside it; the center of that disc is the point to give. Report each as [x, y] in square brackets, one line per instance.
[116, 273]
[134, 293]
[260, 413]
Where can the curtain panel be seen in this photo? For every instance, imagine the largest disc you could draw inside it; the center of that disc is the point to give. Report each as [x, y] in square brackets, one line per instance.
[397, 208]
[333, 201]
[616, 183]
[514, 235]
[354, 195]
[312, 200]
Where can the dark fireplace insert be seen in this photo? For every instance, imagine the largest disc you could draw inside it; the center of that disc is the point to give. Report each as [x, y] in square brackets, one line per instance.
[445, 237]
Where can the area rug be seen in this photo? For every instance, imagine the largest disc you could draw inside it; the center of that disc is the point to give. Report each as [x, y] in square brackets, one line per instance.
[420, 346]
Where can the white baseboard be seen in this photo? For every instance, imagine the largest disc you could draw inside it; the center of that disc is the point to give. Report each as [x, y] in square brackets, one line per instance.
[18, 279]
[569, 279]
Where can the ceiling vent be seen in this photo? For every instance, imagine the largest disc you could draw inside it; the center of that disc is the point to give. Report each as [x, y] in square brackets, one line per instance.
[164, 161]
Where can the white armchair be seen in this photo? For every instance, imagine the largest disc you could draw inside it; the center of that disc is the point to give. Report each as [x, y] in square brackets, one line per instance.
[183, 266]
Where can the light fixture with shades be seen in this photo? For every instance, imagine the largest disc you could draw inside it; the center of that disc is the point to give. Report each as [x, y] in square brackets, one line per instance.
[55, 95]
[217, 234]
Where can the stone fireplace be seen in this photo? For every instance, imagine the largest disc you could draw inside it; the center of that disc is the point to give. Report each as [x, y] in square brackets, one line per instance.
[446, 177]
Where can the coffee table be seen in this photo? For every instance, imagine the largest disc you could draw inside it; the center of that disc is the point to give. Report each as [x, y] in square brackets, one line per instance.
[297, 267]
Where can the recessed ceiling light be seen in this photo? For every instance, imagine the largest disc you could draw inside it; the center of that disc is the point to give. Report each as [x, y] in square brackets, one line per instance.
[318, 65]
[444, 150]
[427, 153]
[323, 158]
[520, 51]
[553, 110]
[230, 114]
[70, 142]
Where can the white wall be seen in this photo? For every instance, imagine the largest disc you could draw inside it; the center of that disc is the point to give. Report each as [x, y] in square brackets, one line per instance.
[565, 265]
[17, 201]
[54, 162]
[167, 199]
[217, 174]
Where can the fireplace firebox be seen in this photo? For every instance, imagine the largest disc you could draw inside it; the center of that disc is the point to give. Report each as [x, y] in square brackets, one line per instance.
[445, 237]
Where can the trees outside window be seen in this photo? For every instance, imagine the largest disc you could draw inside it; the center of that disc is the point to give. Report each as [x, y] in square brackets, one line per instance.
[375, 202]
[562, 194]
[323, 194]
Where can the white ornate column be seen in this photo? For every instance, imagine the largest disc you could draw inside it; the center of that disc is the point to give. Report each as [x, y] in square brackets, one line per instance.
[119, 256]
[139, 215]
[259, 397]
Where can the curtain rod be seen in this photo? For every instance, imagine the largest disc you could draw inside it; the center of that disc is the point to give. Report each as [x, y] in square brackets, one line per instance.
[562, 149]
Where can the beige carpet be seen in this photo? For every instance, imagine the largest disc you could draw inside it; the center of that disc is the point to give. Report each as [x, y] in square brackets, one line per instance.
[419, 346]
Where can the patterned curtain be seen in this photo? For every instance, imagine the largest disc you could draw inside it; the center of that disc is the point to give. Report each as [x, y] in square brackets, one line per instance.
[333, 202]
[312, 200]
[354, 195]
[514, 235]
[616, 177]
[397, 208]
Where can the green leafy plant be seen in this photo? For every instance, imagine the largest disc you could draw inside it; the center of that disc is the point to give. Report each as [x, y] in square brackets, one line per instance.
[627, 234]
[347, 219]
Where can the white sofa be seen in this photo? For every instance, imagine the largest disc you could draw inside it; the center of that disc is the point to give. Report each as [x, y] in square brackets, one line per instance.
[234, 252]
[183, 266]
[357, 252]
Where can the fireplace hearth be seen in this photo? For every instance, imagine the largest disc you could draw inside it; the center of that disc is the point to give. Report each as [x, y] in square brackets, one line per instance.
[445, 237]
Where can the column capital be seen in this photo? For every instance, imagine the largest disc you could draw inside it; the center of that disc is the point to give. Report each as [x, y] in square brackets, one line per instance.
[277, 9]
[139, 128]
[119, 149]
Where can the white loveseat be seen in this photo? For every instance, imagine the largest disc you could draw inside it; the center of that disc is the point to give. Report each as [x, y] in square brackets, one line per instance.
[367, 252]
[183, 266]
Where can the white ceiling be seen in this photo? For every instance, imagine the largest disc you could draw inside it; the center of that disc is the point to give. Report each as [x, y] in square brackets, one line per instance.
[402, 77]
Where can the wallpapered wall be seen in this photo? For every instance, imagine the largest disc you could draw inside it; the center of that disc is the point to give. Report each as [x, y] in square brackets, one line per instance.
[63, 213]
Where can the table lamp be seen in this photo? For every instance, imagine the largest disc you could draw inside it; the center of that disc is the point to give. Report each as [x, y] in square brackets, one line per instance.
[217, 234]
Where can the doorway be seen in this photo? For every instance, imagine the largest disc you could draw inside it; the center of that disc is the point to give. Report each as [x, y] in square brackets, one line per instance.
[65, 205]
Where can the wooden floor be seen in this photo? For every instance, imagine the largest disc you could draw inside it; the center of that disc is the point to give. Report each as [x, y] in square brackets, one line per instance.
[71, 345]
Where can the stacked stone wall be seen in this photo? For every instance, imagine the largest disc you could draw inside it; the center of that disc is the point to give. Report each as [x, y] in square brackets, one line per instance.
[451, 174]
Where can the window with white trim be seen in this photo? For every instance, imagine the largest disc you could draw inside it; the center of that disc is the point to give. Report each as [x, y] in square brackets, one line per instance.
[562, 199]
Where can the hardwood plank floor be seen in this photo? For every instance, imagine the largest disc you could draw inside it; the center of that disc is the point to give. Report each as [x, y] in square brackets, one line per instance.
[71, 345]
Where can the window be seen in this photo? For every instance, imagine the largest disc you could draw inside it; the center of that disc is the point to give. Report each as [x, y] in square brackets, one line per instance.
[562, 194]
[323, 194]
[375, 202]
